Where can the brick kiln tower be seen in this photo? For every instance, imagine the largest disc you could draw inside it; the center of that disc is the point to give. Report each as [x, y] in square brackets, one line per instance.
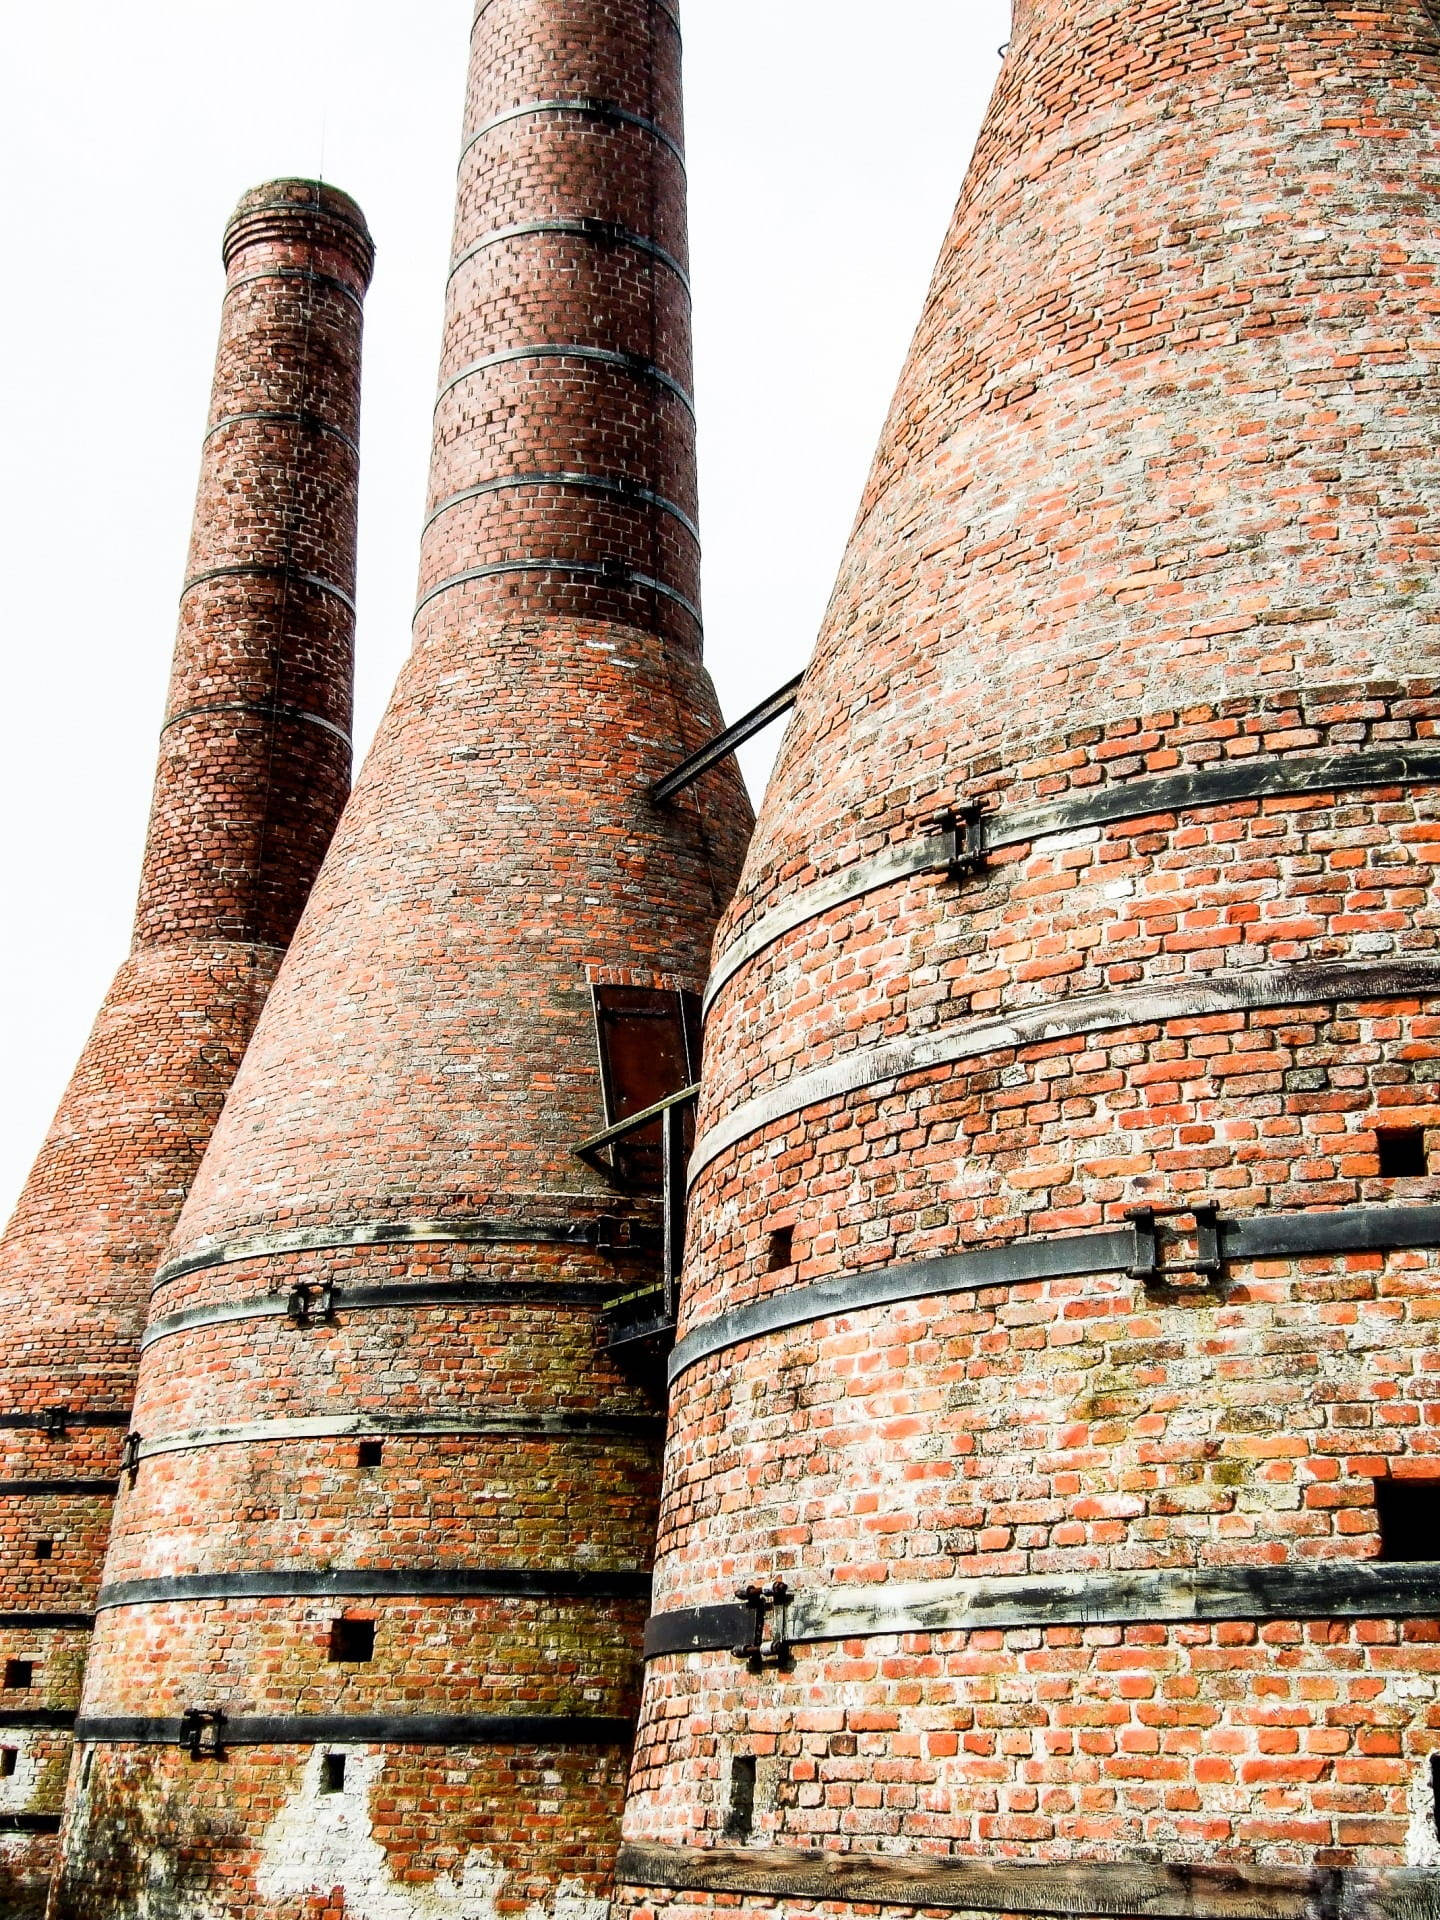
[254, 769]
[1096, 881]
[386, 1545]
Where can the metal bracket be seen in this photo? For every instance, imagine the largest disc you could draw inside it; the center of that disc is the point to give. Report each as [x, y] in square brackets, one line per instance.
[308, 1305]
[1151, 1266]
[756, 1652]
[57, 1422]
[130, 1456]
[967, 853]
[202, 1733]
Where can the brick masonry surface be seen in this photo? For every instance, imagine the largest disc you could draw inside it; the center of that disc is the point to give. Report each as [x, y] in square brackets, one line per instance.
[1158, 493]
[254, 768]
[428, 1054]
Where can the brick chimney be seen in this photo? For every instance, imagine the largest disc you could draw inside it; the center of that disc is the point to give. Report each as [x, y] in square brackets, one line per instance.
[395, 1494]
[254, 769]
[1059, 1324]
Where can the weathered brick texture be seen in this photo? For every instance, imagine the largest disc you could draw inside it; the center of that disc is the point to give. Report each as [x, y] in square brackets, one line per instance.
[1158, 496]
[254, 767]
[428, 1058]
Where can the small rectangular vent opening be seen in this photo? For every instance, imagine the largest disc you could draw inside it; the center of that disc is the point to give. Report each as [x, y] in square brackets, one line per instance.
[369, 1453]
[740, 1814]
[782, 1248]
[1409, 1519]
[19, 1674]
[9, 1760]
[44, 1549]
[332, 1773]
[1402, 1153]
[352, 1640]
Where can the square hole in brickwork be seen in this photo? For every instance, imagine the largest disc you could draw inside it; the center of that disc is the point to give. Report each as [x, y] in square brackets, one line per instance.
[9, 1760]
[1409, 1519]
[1402, 1153]
[782, 1248]
[44, 1549]
[352, 1640]
[369, 1453]
[740, 1813]
[332, 1773]
[19, 1674]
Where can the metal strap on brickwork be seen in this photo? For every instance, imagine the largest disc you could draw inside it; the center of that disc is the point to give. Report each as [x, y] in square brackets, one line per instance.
[382, 1583]
[289, 417]
[30, 1822]
[399, 1297]
[643, 1427]
[59, 1420]
[1127, 1249]
[1061, 1887]
[465, 1230]
[624, 490]
[256, 572]
[602, 233]
[584, 107]
[360, 1730]
[43, 1622]
[1403, 763]
[261, 712]
[632, 363]
[66, 1489]
[61, 1719]
[599, 570]
[1257, 990]
[299, 273]
[1331, 1590]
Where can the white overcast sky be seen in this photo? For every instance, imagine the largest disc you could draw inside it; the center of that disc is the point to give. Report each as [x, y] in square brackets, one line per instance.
[827, 142]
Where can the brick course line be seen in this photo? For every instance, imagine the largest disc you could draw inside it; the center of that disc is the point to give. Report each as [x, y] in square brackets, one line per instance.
[1022, 1262]
[1262, 989]
[588, 109]
[1224, 785]
[1119, 1887]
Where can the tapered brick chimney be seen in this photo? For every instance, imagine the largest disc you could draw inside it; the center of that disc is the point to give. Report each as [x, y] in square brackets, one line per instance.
[387, 1543]
[254, 769]
[1059, 1329]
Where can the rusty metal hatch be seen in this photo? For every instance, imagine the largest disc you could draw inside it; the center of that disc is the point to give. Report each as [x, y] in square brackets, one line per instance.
[649, 1045]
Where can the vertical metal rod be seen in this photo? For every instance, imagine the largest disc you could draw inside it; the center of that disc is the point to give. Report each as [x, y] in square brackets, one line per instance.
[673, 1134]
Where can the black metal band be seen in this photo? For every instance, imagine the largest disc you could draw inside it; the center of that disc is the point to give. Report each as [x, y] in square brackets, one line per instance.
[61, 1719]
[600, 233]
[40, 1489]
[606, 111]
[262, 712]
[295, 417]
[1020, 1262]
[256, 572]
[631, 363]
[1072, 1887]
[621, 577]
[1330, 1590]
[624, 490]
[299, 273]
[383, 1583]
[1226, 783]
[401, 1297]
[30, 1822]
[377, 1730]
[46, 1622]
[1199, 995]
[464, 1230]
[59, 1419]
[646, 1428]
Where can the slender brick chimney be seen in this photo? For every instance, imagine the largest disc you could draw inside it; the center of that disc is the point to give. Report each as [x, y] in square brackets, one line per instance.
[254, 769]
[1060, 1324]
[387, 1544]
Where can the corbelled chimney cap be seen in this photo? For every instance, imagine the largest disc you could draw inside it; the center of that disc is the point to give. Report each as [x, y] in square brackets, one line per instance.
[301, 210]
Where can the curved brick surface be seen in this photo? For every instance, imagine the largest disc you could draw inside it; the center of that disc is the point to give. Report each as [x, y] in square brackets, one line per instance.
[1158, 492]
[247, 794]
[429, 1054]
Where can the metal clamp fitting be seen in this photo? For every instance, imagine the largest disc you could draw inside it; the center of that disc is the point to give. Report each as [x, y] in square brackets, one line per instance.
[966, 854]
[1151, 1266]
[201, 1733]
[757, 1652]
[130, 1456]
[308, 1304]
[57, 1422]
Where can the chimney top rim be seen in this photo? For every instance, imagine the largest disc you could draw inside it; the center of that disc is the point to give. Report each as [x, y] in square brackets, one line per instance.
[297, 209]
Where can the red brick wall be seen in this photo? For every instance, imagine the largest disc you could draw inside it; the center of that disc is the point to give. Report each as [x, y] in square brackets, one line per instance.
[1158, 494]
[428, 1055]
[247, 793]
